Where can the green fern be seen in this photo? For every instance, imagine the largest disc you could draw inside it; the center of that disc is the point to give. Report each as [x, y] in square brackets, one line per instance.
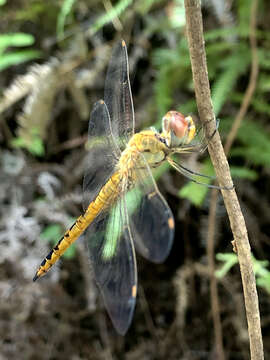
[220, 34]
[260, 268]
[63, 14]
[174, 73]
[264, 58]
[243, 17]
[255, 144]
[143, 6]
[9, 58]
[234, 66]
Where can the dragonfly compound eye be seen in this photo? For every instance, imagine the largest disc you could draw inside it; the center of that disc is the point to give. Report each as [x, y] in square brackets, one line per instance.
[179, 129]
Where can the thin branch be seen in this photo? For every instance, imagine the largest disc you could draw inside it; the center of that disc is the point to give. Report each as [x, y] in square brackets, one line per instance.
[214, 194]
[216, 151]
[213, 281]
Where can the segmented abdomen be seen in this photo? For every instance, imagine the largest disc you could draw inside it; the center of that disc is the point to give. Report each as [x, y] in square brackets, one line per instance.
[104, 199]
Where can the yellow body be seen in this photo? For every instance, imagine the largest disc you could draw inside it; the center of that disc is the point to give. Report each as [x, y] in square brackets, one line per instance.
[142, 142]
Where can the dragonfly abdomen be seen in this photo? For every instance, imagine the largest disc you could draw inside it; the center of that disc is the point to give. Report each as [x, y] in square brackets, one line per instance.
[104, 199]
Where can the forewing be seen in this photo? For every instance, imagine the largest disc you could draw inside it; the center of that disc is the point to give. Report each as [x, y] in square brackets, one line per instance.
[102, 153]
[118, 97]
[151, 219]
[113, 259]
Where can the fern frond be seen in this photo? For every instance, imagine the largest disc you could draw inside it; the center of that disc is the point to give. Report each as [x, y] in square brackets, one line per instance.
[64, 12]
[261, 105]
[23, 84]
[255, 144]
[235, 65]
[173, 73]
[37, 109]
[243, 9]
[264, 58]
[143, 6]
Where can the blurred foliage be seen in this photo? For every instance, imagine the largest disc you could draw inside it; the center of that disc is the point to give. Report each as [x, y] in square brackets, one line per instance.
[9, 58]
[196, 193]
[262, 273]
[63, 14]
[35, 146]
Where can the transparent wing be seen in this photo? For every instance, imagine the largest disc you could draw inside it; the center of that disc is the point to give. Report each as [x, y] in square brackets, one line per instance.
[102, 153]
[118, 97]
[113, 259]
[151, 219]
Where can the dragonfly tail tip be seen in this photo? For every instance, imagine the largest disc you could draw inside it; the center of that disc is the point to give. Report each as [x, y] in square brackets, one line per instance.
[35, 277]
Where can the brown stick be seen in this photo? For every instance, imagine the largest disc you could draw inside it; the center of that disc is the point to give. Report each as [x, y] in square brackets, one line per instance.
[214, 194]
[213, 280]
[205, 109]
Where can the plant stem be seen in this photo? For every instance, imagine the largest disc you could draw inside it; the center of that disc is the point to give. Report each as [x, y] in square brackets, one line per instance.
[216, 151]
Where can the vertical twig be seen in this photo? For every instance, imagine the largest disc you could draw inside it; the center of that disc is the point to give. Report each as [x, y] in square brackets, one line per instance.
[214, 194]
[213, 281]
[216, 151]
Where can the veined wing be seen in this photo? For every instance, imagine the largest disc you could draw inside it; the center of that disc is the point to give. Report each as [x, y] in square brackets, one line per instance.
[113, 260]
[111, 125]
[102, 155]
[151, 219]
[118, 97]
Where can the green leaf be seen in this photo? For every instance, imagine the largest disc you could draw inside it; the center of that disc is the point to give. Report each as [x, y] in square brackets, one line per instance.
[15, 58]
[37, 147]
[16, 39]
[196, 193]
[2, 2]
[234, 66]
[243, 173]
[34, 145]
[259, 266]
[264, 282]
[221, 34]
[51, 233]
[229, 260]
[143, 6]
[64, 12]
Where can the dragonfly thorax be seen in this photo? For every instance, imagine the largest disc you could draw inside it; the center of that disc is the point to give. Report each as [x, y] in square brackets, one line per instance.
[143, 146]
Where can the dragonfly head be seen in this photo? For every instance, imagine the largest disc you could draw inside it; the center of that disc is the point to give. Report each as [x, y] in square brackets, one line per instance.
[177, 129]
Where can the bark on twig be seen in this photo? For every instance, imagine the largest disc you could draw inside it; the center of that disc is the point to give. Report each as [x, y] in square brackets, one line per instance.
[213, 280]
[214, 193]
[216, 151]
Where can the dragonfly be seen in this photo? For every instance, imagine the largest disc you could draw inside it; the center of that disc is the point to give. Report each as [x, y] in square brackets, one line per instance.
[123, 207]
